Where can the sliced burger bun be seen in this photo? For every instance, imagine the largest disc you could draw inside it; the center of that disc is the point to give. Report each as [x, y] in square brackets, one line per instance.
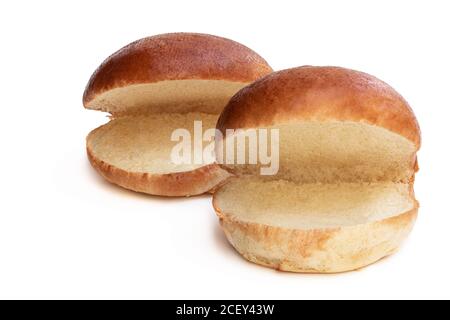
[343, 195]
[154, 86]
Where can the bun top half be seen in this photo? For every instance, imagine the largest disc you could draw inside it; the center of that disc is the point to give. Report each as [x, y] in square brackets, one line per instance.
[320, 94]
[217, 68]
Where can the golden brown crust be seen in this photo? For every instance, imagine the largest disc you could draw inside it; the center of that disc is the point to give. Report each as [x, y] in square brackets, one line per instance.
[179, 184]
[330, 250]
[320, 93]
[176, 56]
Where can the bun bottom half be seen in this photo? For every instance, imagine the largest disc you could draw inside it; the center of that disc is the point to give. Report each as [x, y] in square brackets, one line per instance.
[315, 227]
[134, 153]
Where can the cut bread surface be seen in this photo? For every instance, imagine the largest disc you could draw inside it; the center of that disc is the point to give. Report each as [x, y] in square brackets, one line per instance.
[172, 96]
[309, 206]
[331, 151]
[315, 227]
[342, 198]
[143, 143]
[134, 152]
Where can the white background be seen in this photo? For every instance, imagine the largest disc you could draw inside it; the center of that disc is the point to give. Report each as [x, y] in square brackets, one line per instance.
[65, 233]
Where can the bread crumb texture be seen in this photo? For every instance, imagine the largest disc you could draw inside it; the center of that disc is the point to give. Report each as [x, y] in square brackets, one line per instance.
[287, 204]
[315, 227]
[336, 151]
[143, 143]
[171, 96]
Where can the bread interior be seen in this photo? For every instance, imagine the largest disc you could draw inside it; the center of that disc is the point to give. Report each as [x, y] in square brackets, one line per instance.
[293, 205]
[330, 174]
[143, 143]
[331, 152]
[171, 96]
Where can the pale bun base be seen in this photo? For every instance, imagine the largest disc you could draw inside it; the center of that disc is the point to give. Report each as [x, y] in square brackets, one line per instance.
[315, 228]
[134, 153]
